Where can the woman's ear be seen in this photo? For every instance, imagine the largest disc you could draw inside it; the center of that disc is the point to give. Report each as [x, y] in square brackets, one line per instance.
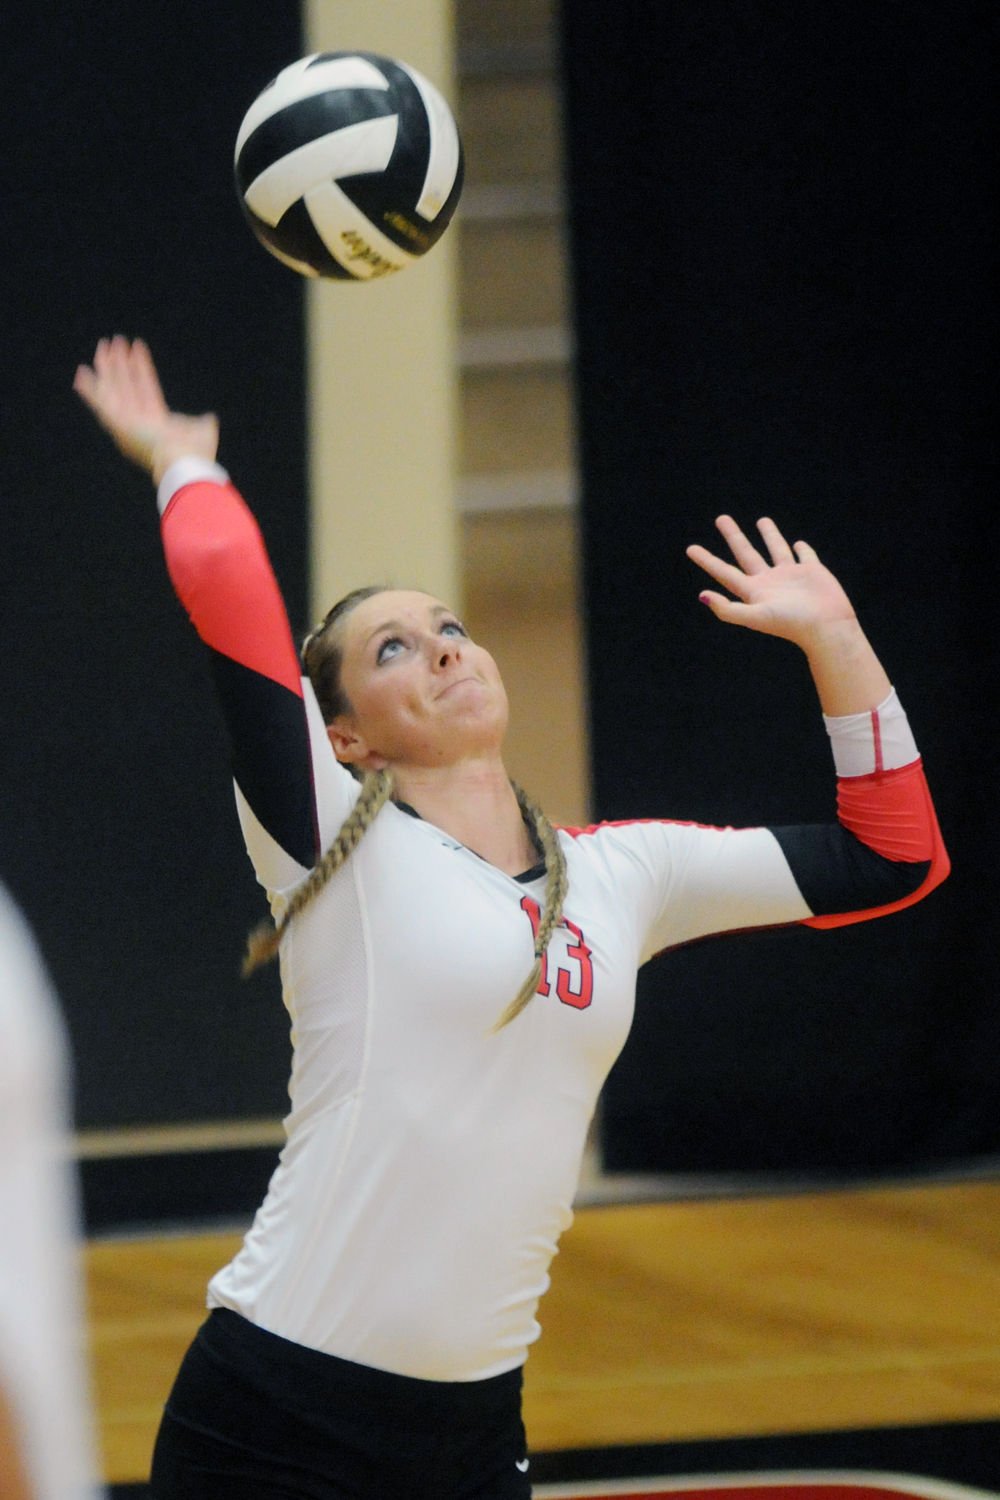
[346, 743]
[351, 748]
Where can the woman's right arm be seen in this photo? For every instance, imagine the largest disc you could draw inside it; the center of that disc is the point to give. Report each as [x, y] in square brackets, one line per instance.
[220, 569]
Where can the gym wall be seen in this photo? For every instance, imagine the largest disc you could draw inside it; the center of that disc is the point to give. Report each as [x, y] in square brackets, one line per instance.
[783, 236]
[119, 837]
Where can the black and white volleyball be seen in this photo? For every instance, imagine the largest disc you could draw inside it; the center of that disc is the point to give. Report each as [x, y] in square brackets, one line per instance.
[349, 165]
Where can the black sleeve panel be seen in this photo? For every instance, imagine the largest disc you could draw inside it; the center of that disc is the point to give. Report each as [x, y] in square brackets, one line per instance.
[836, 872]
[272, 761]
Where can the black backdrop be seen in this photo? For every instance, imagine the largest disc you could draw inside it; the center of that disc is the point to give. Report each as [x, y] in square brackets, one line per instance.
[783, 240]
[118, 834]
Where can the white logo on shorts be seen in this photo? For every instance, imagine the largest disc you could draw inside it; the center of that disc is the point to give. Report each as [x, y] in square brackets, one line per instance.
[522, 1464]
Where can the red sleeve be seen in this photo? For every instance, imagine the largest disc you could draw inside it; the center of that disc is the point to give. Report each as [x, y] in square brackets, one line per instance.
[891, 812]
[220, 569]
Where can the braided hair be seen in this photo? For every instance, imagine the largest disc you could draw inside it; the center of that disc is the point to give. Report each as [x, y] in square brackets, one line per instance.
[264, 941]
[322, 656]
[556, 886]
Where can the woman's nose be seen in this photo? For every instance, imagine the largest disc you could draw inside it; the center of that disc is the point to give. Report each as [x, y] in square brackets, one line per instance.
[446, 650]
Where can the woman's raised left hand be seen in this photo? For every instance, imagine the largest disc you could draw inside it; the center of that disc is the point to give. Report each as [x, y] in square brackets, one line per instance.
[789, 593]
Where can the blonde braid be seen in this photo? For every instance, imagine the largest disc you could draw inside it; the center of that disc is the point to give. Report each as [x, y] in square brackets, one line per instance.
[556, 886]
[376, 789]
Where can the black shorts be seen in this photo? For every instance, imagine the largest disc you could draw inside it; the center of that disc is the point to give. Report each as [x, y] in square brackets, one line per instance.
[255, 1417]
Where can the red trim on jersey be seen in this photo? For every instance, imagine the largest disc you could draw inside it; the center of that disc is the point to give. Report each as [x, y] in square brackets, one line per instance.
[577, 833]
[220, 569]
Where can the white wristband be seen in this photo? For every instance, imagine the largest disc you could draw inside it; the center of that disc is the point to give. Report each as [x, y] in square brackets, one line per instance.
[187, 471]
[877, 741]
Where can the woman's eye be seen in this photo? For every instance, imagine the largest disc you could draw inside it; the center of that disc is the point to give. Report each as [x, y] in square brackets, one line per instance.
[453, 627]
[388, 649]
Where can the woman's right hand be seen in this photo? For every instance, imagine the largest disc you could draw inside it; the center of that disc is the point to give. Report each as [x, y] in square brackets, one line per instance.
[123, 391]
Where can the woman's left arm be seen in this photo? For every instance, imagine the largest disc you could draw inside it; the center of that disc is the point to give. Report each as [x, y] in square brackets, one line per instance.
[883, 801]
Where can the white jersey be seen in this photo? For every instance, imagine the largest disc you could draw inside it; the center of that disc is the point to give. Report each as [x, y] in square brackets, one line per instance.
[42, 1375]
[431, 1163]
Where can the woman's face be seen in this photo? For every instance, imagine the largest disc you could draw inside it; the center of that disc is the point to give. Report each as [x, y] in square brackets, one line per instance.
[421, 692]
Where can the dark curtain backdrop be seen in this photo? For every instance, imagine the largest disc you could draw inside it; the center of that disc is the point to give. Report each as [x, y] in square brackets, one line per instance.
[783, 235]
[118, 833]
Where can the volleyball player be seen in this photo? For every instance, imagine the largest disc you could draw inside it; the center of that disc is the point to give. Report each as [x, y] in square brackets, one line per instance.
[459, 976]
[46, 1438]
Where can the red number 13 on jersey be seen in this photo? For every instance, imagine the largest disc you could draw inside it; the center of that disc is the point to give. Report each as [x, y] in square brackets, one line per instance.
[574, 986]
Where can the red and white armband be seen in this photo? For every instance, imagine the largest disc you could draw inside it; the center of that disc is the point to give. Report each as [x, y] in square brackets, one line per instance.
[883, 798]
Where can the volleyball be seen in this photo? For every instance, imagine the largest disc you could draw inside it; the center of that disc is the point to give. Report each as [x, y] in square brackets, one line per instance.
[349, 166]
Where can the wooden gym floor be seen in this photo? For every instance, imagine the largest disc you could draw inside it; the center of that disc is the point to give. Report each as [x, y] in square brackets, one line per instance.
[665, 1320]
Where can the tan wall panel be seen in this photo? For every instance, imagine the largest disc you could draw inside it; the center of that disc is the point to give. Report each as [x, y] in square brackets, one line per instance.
[382, 368]
[517, 419]
[512, 128]
[499, 22]
[513, 273]
[521, 586]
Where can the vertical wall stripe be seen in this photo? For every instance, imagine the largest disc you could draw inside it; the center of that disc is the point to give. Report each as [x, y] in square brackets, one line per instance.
[382, 368]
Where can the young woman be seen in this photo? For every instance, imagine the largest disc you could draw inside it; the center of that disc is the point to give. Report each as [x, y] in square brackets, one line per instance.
[460, 978]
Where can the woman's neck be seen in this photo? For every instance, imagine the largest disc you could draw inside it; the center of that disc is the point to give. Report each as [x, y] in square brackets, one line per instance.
[477, 805]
